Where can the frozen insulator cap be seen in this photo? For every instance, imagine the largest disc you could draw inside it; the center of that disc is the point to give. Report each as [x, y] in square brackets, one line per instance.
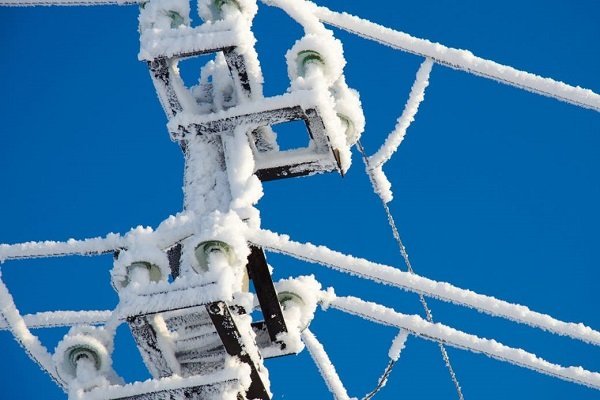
[161, 14]
[204, 250]
[213, 10]
[142, 265]
[322, 51]
[299, 298]
[83, 347]
[349, 110]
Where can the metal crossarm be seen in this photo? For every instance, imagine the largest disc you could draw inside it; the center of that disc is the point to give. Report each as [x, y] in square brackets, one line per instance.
[231, 338]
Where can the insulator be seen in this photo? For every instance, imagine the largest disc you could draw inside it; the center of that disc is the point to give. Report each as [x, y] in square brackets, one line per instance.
[154, 274]
[322, 51]
[212, 10]
[79, 345]
[205, 249]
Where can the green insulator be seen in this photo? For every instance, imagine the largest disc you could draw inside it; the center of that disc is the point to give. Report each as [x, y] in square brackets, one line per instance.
[347, 122]
[286, 297]
[154, 273]
[205, 249]
[220, 3]
[305, 57]
[176, 18]
[81, 351]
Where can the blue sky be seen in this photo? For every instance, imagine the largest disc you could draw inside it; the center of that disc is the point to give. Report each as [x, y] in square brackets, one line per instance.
[496, 189]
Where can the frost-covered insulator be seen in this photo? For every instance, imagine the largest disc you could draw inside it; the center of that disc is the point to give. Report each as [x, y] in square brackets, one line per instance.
[288, 299]
[213, 10]
[84, 355]
[204, 250]
[349, 110]
[299, 298]
[322, 51]
[164, 14]
[141, 265]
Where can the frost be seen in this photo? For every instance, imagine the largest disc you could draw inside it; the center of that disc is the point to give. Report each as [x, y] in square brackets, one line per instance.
[415, 283]
[447, 335]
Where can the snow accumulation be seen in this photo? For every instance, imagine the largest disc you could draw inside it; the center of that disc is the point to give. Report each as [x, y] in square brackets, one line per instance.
[415, 283]
[445, 334]
[459, 59]
[30, 343]
[225, 385]
[398, 345]
[326, 368]
[51, 319]
[381, 184]
[28, 3]
[220, 218]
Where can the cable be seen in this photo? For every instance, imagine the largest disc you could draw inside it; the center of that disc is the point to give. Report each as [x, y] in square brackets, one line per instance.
[404, 254]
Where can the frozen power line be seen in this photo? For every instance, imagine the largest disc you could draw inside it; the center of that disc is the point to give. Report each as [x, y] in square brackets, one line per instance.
[458, 59]
[418, 284]
[450, 336]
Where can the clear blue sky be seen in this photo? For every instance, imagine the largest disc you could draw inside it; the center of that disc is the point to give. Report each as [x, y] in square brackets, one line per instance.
[496, 189]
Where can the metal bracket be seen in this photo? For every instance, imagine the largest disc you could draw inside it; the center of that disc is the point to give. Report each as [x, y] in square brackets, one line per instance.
[232, 340]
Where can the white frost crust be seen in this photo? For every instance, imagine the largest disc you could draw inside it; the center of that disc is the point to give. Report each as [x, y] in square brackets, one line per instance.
[450, 336]
[156, 43]
[398, 345]
[154, 14]
[206, 186]
[208, 11]
[30, 343]
[51, 319]
[317, 96]
[227, 383]
[329, 48]
[347, 104]
[326, 368]
[299, 316]
[144, 250]
[418, 284]
[458, 59]
[96, 339]
[246, 188]
[185, 291]
[29, 3]
[381, 184]
[170, 231]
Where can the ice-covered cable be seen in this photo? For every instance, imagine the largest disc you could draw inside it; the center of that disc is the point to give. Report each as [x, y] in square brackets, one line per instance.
[51, 319]
[29, 3]
[32, 345]
[326, 368]
[394, 354]
[169, 232]
[92, 246]
[450, 336]
[459, 59]
[418, 284]
[406, 259]
[416, 96]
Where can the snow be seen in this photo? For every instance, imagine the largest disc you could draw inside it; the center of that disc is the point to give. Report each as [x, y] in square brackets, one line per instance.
[447, 335]
[381, 184]
[209, 37]
[226, 384]
[27, 3]
[418, 284]
[459, 59]
[169, 232]
[398, 345]
[51, 319]
[95, 341]
[326, 368]
[30, 343]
